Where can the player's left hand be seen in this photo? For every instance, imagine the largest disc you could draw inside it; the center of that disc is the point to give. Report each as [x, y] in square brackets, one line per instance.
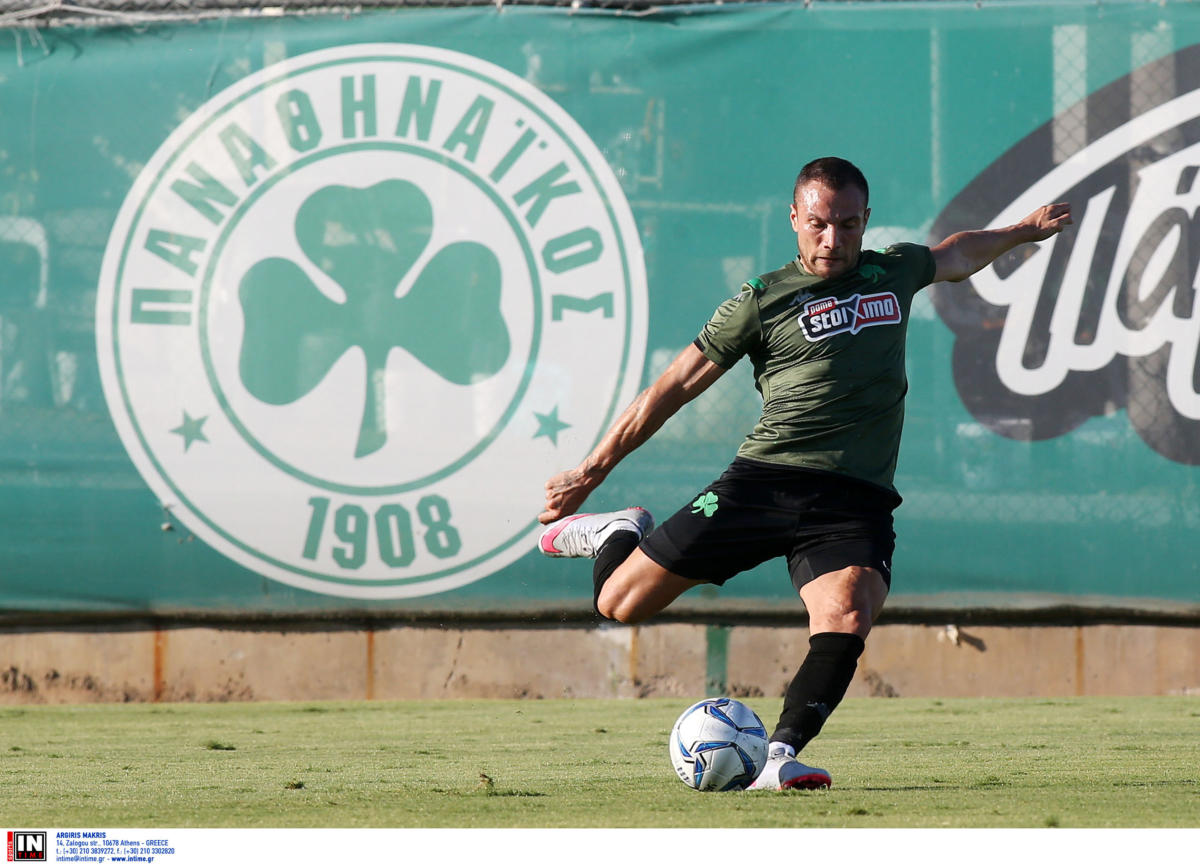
[1048, 221]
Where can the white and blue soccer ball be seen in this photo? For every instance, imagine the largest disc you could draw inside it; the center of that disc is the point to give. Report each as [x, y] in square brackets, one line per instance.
[718, 744]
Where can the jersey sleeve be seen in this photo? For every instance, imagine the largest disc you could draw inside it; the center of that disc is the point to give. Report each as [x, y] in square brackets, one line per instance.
[732, 331]
[915, 261]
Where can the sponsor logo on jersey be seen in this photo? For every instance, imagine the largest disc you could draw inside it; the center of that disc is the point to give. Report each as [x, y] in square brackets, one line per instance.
[830, 316]
[358, 305]
[1105, 315]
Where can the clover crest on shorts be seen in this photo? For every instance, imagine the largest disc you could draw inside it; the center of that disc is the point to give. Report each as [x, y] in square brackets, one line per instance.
[352, 287]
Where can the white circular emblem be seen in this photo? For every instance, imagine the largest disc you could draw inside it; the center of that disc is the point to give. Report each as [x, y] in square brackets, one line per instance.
[358, 306]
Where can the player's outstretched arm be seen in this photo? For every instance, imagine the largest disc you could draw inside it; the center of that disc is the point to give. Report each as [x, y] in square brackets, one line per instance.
[964, 253]
[686, 378]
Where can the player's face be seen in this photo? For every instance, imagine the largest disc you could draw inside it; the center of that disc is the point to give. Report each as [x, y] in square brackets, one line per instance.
[829, 227]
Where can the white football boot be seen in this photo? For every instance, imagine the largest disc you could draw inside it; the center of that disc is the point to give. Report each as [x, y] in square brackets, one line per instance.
[784, 772]
[582, 535]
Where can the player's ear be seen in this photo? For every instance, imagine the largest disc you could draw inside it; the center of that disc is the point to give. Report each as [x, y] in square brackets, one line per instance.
[866, 217]
[793, 215]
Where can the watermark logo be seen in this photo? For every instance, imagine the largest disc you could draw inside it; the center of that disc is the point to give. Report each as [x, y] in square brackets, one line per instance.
[1104, 316]
[358, 306]
[26, 846]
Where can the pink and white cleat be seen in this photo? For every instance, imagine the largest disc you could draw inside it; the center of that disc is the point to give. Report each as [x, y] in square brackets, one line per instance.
[784, 772]
[582, 535]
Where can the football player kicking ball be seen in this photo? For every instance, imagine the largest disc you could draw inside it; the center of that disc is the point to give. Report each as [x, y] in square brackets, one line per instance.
[813, 481]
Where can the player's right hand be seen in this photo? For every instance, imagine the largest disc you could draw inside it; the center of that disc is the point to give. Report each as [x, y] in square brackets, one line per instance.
[565, 494]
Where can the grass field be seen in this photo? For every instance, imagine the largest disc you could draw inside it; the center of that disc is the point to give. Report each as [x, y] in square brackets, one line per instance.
[581, 763]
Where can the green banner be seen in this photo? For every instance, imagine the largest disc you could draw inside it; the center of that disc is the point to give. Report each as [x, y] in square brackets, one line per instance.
[297, 314]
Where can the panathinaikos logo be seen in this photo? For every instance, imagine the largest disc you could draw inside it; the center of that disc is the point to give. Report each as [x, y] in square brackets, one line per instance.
[359, 306]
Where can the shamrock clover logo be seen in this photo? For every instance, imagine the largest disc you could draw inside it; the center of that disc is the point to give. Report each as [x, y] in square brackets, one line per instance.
[706, 503]
[367, 241]
[871, 272]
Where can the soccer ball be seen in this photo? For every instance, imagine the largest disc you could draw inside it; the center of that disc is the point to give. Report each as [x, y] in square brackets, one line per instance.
[718, 744]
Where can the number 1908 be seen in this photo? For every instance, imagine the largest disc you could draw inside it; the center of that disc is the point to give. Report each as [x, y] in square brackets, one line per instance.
[393, 530]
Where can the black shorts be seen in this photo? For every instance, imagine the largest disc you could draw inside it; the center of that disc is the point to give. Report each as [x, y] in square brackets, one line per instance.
[755, 511]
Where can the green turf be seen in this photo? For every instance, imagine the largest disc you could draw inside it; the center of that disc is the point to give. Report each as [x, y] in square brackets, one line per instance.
[584, 763]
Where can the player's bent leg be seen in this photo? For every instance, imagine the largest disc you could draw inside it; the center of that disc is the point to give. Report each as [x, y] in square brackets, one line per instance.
[629, 587]
[639, 588]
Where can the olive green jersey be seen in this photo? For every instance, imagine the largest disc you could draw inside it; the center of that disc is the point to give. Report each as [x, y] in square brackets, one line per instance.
[828, 359]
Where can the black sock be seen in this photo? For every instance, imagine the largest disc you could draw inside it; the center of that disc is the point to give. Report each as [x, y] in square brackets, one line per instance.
[817, 687]
[614, 551]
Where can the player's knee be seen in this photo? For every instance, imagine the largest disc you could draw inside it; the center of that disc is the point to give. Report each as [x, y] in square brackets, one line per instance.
[620, 609]
[856, 617]
[637, 590]
[605, 607]
[846, 601]
[626, 602]
[622, 598]
[852, 622]
[841, 619]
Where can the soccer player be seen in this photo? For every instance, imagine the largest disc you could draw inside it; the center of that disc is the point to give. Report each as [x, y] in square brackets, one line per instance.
[812, 482]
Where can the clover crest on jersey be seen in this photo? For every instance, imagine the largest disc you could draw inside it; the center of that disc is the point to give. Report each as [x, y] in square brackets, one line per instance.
[829, 316]
[341, 312]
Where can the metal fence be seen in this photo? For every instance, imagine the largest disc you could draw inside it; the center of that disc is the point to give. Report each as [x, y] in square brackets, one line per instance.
[44, 13]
